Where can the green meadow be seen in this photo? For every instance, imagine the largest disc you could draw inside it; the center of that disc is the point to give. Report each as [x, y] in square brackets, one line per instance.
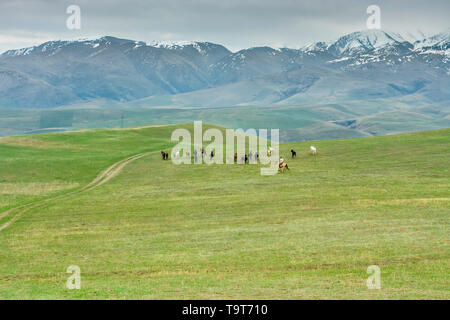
[155, 230]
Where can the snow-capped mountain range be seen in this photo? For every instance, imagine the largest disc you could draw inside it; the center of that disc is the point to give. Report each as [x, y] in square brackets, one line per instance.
[371, 64]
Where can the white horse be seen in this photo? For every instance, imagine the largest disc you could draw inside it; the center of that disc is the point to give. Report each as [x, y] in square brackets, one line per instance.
[313, 150]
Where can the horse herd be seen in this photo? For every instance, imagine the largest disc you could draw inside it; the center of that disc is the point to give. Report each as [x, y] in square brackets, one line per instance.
[253, 157]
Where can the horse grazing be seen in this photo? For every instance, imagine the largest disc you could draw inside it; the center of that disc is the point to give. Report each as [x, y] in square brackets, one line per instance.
[283, 166]
[294, 154]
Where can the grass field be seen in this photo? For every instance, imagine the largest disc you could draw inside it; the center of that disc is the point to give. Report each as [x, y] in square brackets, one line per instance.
[160, 231]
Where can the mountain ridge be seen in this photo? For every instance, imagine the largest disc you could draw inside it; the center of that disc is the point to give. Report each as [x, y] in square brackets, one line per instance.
[58, 73]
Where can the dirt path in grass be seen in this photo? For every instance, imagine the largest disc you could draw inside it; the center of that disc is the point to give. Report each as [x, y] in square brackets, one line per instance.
[101, 179]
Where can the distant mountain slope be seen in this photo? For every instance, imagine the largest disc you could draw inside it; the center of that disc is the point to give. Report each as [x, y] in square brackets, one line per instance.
[108, 67]
[362, 65]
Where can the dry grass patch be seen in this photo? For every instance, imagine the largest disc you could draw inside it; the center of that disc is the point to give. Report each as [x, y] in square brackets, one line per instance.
[34, 188]
[35, 143]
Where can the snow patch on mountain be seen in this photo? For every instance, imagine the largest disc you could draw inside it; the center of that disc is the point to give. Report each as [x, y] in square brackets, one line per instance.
[413, 36]
[177, 45]
[318, 46]
[441, 40]
[365, 40]
[19, 52]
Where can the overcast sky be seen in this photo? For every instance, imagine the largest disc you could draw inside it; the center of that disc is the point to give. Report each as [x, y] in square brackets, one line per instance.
[236, 24]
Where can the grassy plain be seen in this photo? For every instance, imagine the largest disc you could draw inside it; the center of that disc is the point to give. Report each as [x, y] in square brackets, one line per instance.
[159, 231]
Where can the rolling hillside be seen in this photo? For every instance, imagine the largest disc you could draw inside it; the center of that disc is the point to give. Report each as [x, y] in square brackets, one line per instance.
[147, 229]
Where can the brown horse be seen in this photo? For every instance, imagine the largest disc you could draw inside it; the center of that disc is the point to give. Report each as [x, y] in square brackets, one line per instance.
[283, 166]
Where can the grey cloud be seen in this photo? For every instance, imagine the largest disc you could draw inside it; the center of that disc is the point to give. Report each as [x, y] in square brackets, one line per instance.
[234, 23]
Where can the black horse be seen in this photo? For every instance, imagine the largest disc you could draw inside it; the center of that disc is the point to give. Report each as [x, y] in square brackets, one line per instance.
[294, 154]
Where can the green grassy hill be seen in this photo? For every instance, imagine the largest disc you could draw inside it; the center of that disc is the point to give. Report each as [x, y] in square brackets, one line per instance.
[147, 229]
